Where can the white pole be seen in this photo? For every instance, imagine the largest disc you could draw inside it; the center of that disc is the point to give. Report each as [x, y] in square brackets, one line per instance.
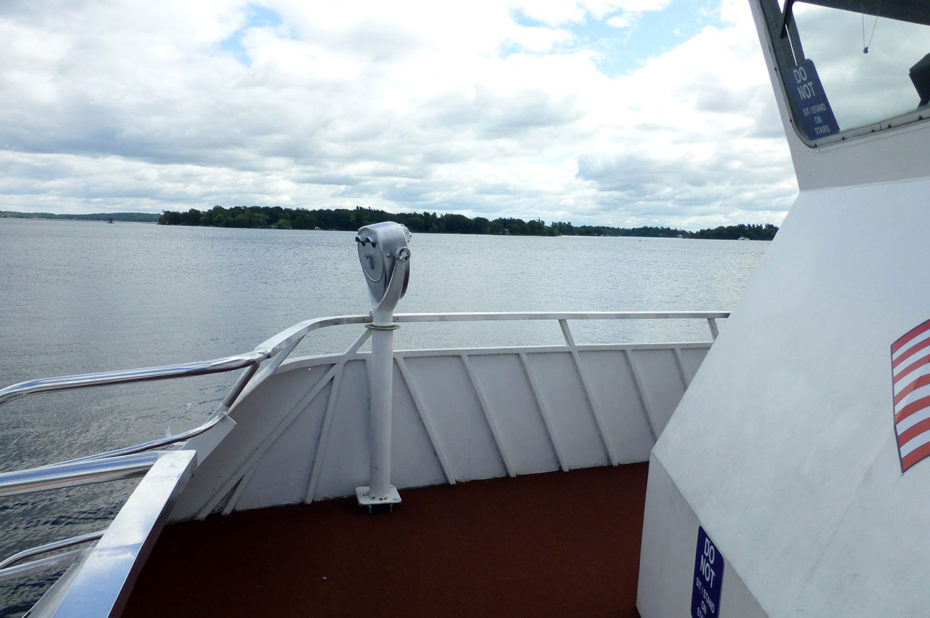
[380, 380]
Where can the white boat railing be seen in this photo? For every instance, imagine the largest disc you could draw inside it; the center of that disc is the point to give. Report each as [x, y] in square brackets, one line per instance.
[279, 346]
[268, 355]
[136, 460]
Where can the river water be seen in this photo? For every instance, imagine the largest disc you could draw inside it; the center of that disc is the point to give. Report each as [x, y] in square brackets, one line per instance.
[78, 297]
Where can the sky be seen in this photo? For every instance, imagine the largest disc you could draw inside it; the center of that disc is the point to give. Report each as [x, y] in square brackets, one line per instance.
[598, 112]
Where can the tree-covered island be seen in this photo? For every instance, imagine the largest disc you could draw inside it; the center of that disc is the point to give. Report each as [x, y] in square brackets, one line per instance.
[350, 220]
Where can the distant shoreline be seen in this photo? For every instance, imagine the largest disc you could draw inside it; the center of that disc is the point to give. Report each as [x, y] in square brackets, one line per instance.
[347, 220]
[263, 217]
[137, 217]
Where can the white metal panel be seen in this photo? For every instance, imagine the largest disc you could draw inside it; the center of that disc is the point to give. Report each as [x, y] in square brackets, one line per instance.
[662, 381]
[280, 476]
[508, 392]
[447, 392]
[625, 421]
[691, 359]
[414, 462]
[345, 464]
[572, 417]
[257, 414]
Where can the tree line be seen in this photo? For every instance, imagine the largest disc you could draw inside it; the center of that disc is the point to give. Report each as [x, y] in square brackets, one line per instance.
[351, 219]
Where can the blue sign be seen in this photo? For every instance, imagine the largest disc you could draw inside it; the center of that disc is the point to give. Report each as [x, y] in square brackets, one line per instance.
[810, 100]
[708, 578]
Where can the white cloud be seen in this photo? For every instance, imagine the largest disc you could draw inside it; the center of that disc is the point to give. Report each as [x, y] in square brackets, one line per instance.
[621, 21]
[401, 106]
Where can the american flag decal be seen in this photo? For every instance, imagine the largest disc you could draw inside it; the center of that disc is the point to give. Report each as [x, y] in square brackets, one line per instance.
[910, 377]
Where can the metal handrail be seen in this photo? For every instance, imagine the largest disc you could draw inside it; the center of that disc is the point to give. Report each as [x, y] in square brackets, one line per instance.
[304, 328]
[559, 315]
[289, 337]
[63, 559]
[100, 585]
[70, 474]
[60, 383]
[59, 476]
[44, 549]
[158, 443]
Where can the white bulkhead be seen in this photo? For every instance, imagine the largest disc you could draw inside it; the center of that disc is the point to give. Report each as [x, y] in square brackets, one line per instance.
[784, 448]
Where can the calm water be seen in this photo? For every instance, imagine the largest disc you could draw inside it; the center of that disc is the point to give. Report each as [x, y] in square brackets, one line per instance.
[77, 297]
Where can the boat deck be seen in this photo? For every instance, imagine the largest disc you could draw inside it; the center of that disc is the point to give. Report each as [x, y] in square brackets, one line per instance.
[554, 544]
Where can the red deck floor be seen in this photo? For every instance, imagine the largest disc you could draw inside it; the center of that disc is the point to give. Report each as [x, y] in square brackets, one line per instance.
[556, 544]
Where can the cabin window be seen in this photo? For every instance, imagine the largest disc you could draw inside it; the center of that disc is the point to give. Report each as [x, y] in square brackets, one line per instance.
[853, 66]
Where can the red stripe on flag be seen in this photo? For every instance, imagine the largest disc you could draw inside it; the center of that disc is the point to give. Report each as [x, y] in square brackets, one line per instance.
[910, 408]
[906, 337]
[914, 456]
[912, 367]
[910, 388]
[911, 352]
[912, 432]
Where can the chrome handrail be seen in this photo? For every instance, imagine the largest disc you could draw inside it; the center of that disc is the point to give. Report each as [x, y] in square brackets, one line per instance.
[101, 583]
[44, 549]
[61, 560]
[70, 474]
[59, 476]
[218, 365]
[158, 443]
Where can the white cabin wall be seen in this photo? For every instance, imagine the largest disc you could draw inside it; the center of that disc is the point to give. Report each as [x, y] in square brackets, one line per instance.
[783, 446]
[669, 532]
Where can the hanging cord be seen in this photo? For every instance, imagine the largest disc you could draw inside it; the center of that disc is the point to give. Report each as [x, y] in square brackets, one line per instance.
[866, 45]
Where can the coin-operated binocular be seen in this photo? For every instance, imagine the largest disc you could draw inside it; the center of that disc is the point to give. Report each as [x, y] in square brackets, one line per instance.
[385, 259]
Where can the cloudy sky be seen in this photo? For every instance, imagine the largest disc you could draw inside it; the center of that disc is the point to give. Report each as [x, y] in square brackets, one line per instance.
[615, 112]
